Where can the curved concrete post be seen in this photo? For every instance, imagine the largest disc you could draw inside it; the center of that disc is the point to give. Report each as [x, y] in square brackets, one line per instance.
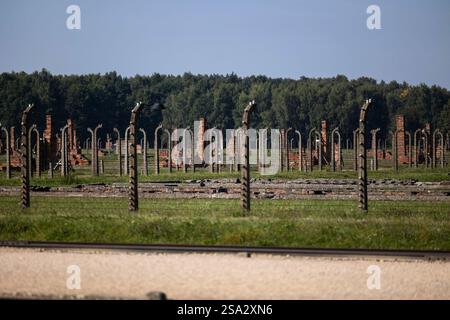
[262, 146]
[374, 148]
[309, 150]
[287, 148]
[133, 200]
[126, 161]
[416, 148]
[442, 147]
[169, 149]
[408, 134]
[394, 149]
[144, 152]
[156, 148]
[38, 152]
[193, 150]
[319, 149]
[185, 151]
[300, 152]
[426, 145]
[339, 162]
[211, 150]
[238, 136]
[25, 178]
[64, 157]
[8, 153]
[362, 170]
[245, 174]
[333, 150]
[119, 150]
[355, 148]
[30, 149]
[92, 150]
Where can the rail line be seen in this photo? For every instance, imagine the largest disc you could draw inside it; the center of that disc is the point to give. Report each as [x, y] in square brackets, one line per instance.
[172, 248]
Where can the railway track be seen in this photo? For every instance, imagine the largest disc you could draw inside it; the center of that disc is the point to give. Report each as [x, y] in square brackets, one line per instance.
[169, 248]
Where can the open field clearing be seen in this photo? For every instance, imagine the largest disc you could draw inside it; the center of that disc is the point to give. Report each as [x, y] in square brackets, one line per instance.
[295, 223]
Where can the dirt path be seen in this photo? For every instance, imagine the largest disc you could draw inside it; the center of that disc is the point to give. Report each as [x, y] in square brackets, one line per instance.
[218, 276]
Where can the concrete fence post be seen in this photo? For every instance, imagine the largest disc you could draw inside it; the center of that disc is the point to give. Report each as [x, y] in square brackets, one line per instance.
[362, 165]
[245, 173]
[119, 150]
[300, 152]
[8, 152]
[144, 152]
[25, 178]
[156, 148]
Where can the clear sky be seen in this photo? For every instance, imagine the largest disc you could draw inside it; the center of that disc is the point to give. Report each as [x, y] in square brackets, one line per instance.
[284, 38]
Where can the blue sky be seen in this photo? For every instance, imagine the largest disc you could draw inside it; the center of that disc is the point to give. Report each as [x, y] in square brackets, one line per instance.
[285, 38]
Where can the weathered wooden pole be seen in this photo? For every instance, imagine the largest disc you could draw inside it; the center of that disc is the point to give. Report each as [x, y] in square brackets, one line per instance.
[25, 194]
[245, 173]
[169, 151]
[119, 150]
[144, 152]
[156, 149]
[8, 153]
[300, 153]
[362, 172]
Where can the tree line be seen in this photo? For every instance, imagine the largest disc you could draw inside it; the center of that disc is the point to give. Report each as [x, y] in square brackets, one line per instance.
[220, 99]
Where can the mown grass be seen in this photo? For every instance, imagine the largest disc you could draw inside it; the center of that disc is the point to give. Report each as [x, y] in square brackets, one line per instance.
[297, 223]
[83, 177]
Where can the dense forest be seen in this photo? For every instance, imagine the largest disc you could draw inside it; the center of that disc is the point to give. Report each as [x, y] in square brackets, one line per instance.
[301, 104]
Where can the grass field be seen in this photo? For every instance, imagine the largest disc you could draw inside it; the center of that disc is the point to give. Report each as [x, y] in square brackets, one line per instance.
[298, 223]
[84, 177]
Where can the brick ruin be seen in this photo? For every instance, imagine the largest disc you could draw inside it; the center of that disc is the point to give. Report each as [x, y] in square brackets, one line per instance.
[15, 157]
[75, 156]
[50, 143]
[402, 148]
